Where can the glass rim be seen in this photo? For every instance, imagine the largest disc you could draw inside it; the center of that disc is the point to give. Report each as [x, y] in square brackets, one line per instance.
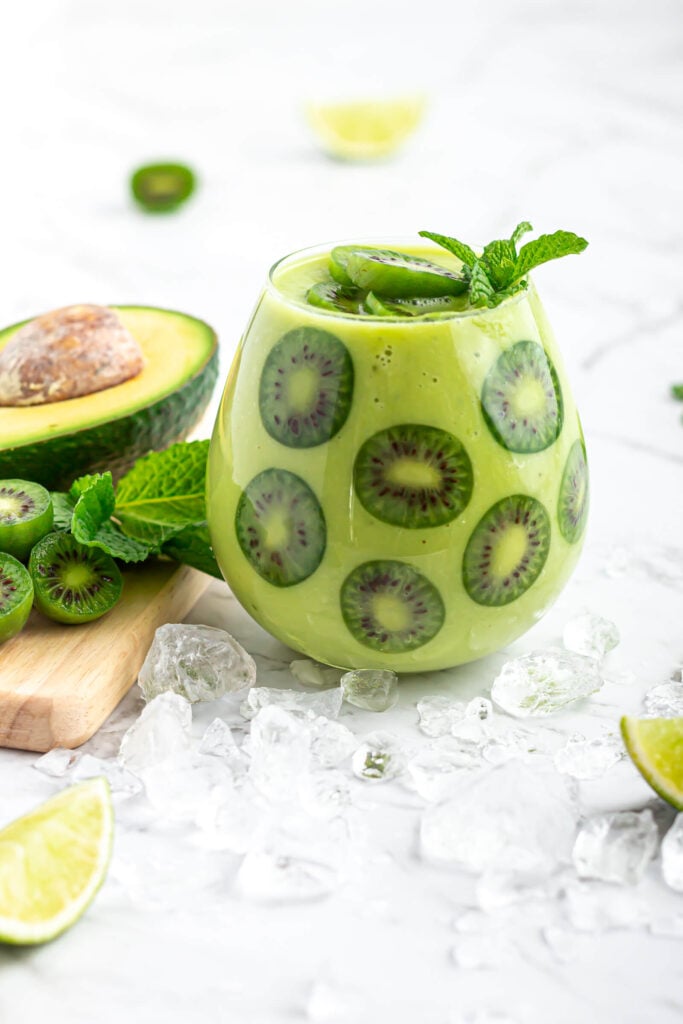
[323, 248]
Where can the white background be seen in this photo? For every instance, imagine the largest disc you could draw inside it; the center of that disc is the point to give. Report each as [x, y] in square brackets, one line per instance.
[566, 114]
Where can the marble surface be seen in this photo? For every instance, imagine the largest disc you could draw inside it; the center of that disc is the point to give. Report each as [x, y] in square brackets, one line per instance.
[570, 115]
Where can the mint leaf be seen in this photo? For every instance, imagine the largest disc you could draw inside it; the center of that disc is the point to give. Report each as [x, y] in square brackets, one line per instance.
[62, 507]
[499, 259]
[192, 546]
[520, 230]
[463, 252]
[506, 293]
[481, 289]
[547, 247]
[163, 492]
[677, 392]
[111, 539]
[91, 524]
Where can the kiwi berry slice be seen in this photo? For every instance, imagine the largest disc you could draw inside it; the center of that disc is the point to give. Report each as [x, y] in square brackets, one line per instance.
[25, 516]
[16, 596]
[160, 188]
[506, 551]
[413, 476]
[280, 527]
[306, 388]
[522, 400]
[390, 606]
[73, 583]
[339, 258]
[337, 297]
[572, 506]
[396, 275]
[414, 306]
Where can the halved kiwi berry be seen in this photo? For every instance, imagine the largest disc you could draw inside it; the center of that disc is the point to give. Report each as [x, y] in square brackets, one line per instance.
[414, 306]
[16, 596]
[390, 606]
[25, 516]
[306, 388]
[73, 583]
[397, 275]
[506, 551]
[337, 297]
[280, 527]
[339, 258]
[521, 399]
[572, 506]
[413, 476]
[160, 188]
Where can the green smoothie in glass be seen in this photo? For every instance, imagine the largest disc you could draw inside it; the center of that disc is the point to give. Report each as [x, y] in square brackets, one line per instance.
[397, 476]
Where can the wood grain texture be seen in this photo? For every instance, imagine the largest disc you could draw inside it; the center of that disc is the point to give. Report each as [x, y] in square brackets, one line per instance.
[59, 683]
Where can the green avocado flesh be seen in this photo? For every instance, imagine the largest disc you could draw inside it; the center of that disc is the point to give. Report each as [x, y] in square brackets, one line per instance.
[108, 430]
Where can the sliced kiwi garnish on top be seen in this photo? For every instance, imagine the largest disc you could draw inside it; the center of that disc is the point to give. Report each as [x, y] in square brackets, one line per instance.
[306, 388]
[572, 506]
[336, 297]
[73, 583]
[280, 527]
[16, 596]
[390, 606]
[522, 400]
[25, 516]
[339, 258]
[506, 551]
[415, 305]
[413, 475]
[396, 275]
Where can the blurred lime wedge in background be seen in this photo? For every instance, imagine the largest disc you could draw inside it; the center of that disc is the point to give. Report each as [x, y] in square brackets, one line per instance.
[365, 129]
[53, 861]
[655, 746]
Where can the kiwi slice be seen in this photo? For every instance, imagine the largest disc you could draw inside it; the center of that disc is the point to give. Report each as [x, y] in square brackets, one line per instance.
[16, 596]
[390, 606]
[413, 476]
[506, 551]
[73, 583]
[160, 188]
[25, 516]
[337, 297]
[396, 275]
[572, 507]
[280, 527]
[521, 399]
[339, 258]
[306, 388]
[414, 306]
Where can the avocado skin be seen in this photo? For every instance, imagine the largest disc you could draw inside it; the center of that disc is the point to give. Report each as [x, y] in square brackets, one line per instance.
[57, 461]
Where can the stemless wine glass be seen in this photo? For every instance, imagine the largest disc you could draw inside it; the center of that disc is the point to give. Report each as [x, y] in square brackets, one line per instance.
[395, 492]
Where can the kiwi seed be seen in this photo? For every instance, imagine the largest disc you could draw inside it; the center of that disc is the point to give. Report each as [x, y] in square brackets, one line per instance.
[73, 583]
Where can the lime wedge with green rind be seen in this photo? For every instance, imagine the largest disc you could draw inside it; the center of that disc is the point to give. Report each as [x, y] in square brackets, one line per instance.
[655, 745]
[53, 861]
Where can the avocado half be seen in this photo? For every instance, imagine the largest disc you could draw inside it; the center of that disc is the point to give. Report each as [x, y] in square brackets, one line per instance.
[59, 441]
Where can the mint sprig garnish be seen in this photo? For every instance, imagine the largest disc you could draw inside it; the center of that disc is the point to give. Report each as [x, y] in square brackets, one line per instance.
[501, 269]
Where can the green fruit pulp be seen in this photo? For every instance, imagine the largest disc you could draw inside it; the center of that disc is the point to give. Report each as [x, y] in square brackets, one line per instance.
[406, 371]
[16, 596]
[25, 516]
[73, 583]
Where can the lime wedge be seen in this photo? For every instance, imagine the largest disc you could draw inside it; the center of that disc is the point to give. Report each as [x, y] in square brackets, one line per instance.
[655, 746]
[367, 129]
[53, 861]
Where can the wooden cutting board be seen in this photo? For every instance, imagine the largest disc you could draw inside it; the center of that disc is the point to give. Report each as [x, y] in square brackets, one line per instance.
[59, 683]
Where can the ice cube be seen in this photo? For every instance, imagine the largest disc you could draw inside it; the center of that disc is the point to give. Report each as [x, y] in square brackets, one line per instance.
[310, 673]
[672, 855]
[161, 732]
[57, 762]
[179, 790]
[197, 662]
[541, 682]
[326, 702]
[331, 742]
[438, 768]
[616, 847]
[479, 707]
[280, 753]
[590, 635]
[378, 758]
[584, 758]
[510, 818]
[438, 714]
[326, 794]
[218, 740]
[121, 781]
[664, 701]
[370, 689]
